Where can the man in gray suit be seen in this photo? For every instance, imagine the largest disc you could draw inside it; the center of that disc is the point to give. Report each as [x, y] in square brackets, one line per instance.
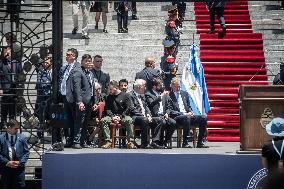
[79, 96]
[85, 7]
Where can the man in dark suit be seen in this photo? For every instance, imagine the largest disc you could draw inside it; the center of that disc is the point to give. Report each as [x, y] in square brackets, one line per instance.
[216, 6]
[149, 72]
[9, 71]
[142, 117]
[14, 153]
[79, 97]
[103, 78]
[157, 101]
[182, 113]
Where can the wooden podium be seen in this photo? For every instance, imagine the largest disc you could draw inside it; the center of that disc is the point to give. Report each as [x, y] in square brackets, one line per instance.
[258, 104]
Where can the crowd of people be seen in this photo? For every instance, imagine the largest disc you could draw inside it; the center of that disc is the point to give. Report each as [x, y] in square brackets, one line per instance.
[149, 106]
[101, 8]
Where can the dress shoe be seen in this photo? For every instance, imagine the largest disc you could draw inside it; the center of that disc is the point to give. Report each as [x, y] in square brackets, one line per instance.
[211, 32]
[85, 37]
[105, 31]
[134, 17]
[76, 146]
[107, 145]
[125, 30]
[186, 146]
[85, 145]
[74, 31]
[131, 145]
[154, 145]
[167, 145]
[202, 146]
[68, 145]
[224, 29]
[143, 146]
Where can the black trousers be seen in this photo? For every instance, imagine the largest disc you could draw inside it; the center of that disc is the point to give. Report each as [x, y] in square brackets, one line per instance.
[80, 124]
[219, 11]
[133, 8]
[12, 178]
[8, 108]
[187, 122]
[122, 19]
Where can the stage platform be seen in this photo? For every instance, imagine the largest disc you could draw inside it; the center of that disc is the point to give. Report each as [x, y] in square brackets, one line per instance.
[216, 167]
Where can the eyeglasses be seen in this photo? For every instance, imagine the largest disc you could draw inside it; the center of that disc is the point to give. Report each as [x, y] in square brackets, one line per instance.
[69, 54]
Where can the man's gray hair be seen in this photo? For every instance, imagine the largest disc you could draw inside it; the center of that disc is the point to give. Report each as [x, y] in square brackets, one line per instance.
[139, 83]
[175, 80]
[97, 85]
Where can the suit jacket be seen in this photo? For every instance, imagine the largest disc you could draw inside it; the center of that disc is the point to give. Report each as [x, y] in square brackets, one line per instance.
[8, 77]
[22, 150]
[102, 78]
[79, 86]
[148, 74]
[175, 111]
[137, 110]
[153, 103]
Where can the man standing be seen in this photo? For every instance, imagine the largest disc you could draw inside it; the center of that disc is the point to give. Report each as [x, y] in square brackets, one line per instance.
[103, 78]
[149, 72]
[182, 113]
[64, 74]
[79, 97]
[85, 7]
[158, 102]
[216, 6]
[9, 71]
[14, 153]
[121, 7]
[118, 108]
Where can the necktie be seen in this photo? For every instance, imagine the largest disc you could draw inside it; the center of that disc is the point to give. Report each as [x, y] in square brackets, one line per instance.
[141, 105]
[13, 148]
[65, 76]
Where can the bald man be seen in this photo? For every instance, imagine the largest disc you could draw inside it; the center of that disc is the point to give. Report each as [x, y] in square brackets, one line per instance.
[149, 72]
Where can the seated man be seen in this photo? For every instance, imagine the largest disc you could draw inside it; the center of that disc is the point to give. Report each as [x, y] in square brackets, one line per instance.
[117, 108]
[157, 100]
[142, 116]
[182, 113]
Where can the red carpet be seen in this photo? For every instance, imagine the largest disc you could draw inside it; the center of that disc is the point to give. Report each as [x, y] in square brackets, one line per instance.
[229, 61]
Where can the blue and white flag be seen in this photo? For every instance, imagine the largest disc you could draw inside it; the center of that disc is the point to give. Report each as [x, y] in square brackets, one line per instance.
[193, 82]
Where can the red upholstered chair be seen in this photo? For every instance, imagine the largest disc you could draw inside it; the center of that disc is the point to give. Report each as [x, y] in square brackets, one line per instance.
[95, 124]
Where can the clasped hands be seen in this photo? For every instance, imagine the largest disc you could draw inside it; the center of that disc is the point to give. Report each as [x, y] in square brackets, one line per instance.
[13, 164]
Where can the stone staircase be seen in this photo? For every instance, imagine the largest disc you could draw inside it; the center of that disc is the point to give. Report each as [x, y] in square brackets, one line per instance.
[124, 54]
[268, 19]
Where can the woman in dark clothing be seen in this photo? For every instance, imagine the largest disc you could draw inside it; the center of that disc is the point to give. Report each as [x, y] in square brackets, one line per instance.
[272, 151]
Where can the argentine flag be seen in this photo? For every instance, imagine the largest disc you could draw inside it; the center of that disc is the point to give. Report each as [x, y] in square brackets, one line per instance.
[193, 82]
